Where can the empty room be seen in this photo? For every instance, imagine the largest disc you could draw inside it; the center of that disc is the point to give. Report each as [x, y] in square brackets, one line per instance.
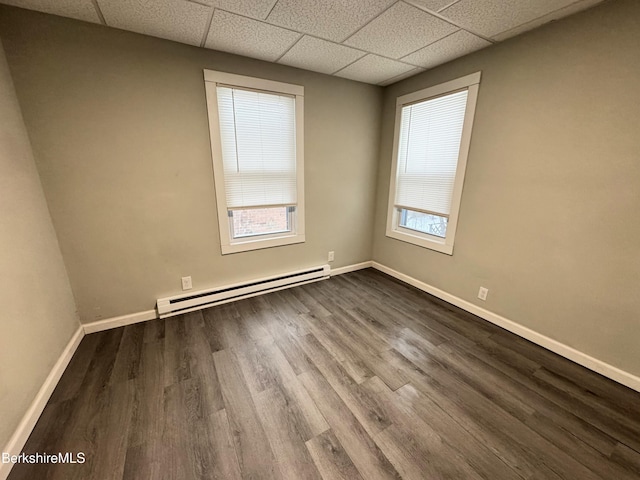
[320, 239]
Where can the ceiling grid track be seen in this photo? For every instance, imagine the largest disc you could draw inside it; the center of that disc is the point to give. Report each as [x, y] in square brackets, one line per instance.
[99, 12]
[448, 20]
[370, 21]
[207, 28]
[289, 49]
[372, 41]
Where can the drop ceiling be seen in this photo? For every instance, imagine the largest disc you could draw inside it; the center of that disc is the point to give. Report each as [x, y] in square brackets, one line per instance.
[371, 41]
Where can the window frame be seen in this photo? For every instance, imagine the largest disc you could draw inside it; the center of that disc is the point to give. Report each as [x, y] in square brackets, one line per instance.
[393, 229]
[228, 243]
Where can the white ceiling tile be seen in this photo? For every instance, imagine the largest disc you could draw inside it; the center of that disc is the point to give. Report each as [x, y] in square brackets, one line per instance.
[331, 19]
[490, 17]
[251, 38]
[78, 9]
[258, 9]
[433, 5]
[400, 30]
[396, 29]
[177, 20]
[455, 45]
[555, 15]
[397, 78]
[374, 69]
[321, 56]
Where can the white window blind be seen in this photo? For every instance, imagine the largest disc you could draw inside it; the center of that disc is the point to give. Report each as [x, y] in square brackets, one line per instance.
[429, 145]
[258, 138]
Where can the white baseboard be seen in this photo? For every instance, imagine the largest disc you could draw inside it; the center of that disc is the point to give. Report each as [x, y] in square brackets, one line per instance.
[351, 268]
[609, 371]
[30, 418]
[115, 322]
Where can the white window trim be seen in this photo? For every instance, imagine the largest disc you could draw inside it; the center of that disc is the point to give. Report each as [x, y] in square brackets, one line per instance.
[443, 245]
[228, 245]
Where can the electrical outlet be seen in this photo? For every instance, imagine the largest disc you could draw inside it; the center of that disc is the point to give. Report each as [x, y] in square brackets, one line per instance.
[482, 293]
[186, 283]
[331, 256]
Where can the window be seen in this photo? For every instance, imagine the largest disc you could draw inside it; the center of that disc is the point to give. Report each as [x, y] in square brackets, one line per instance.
[256, 129]
[431, 142]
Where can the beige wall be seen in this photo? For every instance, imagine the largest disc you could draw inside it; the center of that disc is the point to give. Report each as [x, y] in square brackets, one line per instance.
[548, 217]
[119, 128]
[38, 314]
[549, 214]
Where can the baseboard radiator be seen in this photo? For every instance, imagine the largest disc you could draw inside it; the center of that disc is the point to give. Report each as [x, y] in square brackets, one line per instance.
[191, 301]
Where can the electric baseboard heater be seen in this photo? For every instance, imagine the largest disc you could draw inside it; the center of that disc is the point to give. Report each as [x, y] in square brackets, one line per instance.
[191, 301]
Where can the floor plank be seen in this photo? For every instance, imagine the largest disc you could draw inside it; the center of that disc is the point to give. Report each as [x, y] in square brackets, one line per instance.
[254, 453]
[331, 459]
[360, 447]
[287, 430]
[360, 376]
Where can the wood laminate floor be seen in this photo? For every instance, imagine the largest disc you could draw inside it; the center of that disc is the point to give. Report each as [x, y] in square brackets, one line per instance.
[356, 377]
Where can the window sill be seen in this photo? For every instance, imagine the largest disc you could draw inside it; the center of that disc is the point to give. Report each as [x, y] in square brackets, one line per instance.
[257, 244]
[421, 241]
